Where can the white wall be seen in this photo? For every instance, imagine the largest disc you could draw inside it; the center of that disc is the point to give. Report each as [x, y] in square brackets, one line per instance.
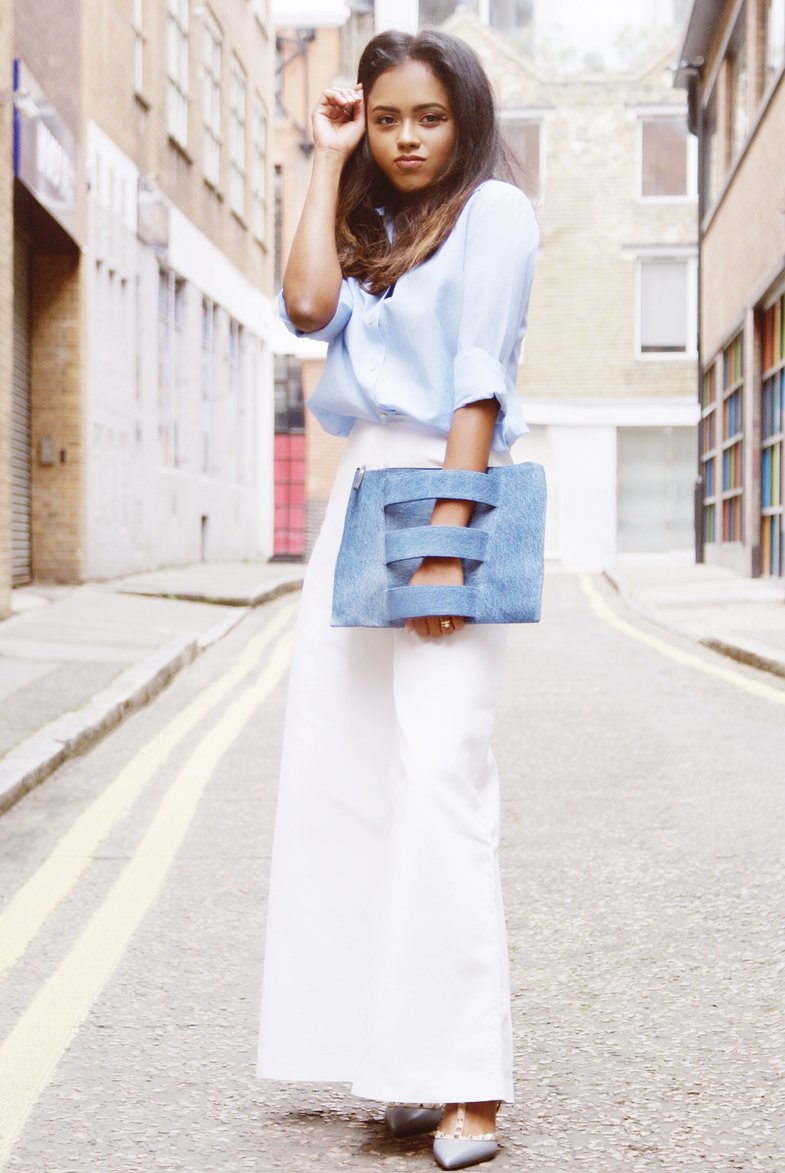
[309, 13]
[577, 444]
[396, 14]
[584, 459]
[142, 513]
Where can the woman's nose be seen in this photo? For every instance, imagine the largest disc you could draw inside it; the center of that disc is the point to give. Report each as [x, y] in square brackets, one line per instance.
[407, 135]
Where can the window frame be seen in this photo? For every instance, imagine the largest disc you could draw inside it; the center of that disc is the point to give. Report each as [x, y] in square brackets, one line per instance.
[261, 11]
[687, 254]
[212, 143]
[531, 116]
[238, 131]
[260, 116]
[772, 441]
[209, 382]
[667, 114]
[728, 441]
[712, 163]
[171, 312]
[140, 42]
[768, 73]
[178, 98]
[738, 47]
[710, 452]
[234, 356]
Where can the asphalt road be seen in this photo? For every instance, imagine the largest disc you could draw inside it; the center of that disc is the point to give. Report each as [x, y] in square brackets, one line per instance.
[644, 853]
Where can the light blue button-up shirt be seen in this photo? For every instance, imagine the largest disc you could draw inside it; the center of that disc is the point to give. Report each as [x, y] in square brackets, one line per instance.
[447, 334]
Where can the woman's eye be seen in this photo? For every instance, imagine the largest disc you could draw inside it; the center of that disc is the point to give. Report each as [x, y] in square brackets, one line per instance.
[431, 119]
[385, 120]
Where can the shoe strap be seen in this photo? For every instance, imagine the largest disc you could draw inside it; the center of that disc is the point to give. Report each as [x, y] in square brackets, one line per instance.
[457, 1132]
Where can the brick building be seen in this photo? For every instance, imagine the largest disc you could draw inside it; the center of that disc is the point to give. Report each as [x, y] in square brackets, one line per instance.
[6, 301]
[609, 373]
[609, 378]
[732, 63]
[314, 51]
[143, 370]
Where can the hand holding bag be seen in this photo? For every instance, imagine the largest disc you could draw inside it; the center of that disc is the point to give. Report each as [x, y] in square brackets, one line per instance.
[387, 533]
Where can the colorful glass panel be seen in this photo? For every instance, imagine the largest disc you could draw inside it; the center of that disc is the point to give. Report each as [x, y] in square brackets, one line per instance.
[772, 459]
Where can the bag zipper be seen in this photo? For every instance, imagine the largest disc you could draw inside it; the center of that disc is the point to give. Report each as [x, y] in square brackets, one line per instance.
[358, 477]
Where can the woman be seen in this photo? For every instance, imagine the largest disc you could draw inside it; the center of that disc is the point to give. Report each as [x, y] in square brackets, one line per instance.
[386, 963]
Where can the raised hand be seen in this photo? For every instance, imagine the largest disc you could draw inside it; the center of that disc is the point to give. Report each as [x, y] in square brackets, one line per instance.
[339, 120]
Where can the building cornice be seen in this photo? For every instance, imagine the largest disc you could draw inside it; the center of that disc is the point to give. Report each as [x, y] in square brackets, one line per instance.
[702, 23]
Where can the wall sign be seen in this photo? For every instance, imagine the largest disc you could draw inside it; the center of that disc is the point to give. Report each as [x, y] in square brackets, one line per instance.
[45, 152]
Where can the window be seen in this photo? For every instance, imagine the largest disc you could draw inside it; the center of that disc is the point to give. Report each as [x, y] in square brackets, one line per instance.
[711, 152]
[171, 299]
[665, 158]
[289, 460]
[259, 169]
[237, 139]
[280, 109]
[504, 15]
[522, 136]
[139, 39]
[289, 401]
[732, 370]
[235, 422]
[736, 65]
[667, 312]
[209, 374]
[708, 451]
[211, 101]
[775, 38]
[278, 225]
[509, 15]
[177, 70]
[772, 467]
[435, 11]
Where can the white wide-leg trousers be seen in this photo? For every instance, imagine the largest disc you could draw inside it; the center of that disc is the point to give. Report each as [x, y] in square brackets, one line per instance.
[386, 960]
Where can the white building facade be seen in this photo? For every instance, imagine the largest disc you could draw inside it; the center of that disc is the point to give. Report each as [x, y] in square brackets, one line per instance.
[179, 384]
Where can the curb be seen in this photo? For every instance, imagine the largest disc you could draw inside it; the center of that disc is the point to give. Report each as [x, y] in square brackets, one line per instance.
[38, 756]
[753, 655]
[255, 599]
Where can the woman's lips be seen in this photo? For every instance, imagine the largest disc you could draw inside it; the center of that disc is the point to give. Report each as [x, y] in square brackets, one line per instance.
[409, 163]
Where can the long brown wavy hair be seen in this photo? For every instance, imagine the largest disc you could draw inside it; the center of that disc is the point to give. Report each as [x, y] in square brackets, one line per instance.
[422, 221]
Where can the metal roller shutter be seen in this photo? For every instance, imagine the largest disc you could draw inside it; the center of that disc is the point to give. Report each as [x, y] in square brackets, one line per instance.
[20, 422]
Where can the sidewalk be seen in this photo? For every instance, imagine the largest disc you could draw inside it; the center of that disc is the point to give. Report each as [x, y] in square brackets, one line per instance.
[743, 618]
[75, 660]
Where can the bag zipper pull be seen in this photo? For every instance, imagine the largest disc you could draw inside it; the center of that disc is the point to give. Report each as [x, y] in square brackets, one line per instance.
[358, 477]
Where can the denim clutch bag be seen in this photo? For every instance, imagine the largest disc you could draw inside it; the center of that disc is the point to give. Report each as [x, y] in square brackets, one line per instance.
[387, 533]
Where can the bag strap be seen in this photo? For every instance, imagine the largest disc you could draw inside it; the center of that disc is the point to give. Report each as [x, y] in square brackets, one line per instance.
[453, 484]
[441, 541]
[412, 602]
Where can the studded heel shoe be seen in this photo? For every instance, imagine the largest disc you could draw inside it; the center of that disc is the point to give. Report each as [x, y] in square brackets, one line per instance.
[453, 1150]
[411, 1119]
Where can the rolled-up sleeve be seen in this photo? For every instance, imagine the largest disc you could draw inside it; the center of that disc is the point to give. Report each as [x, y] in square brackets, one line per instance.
[501, 252]
[328, 333]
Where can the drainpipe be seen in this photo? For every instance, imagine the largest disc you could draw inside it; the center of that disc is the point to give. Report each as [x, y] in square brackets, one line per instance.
[299, 44]
[693, 70]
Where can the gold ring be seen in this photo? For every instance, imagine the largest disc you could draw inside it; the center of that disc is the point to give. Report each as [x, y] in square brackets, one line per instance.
[445, 624]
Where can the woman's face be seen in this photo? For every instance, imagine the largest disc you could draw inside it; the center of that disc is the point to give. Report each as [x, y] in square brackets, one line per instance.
[411, 126]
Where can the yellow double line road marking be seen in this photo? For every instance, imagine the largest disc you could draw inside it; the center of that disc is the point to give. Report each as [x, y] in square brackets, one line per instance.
[22, 918]
[757, 687]
[31, 1052]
